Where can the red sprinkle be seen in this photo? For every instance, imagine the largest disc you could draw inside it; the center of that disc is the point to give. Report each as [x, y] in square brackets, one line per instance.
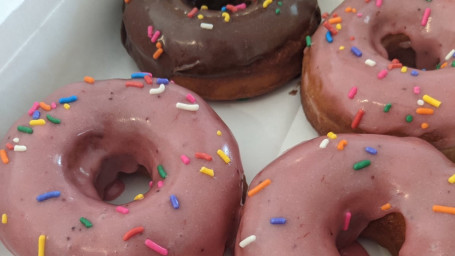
[204, 156]
[148, 79]
[9, 146]
[357, 118]
[192, 12]
[134, 84]
[329, 27]
[132, 232]
[231, 8]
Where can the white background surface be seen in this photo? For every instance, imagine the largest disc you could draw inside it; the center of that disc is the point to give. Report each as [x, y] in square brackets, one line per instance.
[47, 44]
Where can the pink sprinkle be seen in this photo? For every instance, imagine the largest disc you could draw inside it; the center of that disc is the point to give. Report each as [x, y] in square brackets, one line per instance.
[190, 98]
[352, 92]
[151, 183]
[33, 108]
[425, 17]
[53, 105]
[416, 89]
[359, 14]
[378, 3]
[157, 248]
[347, 220]
[155, 36]
[185, 159]
[383, 73]
[122, 210]
[149, 31]
[160, 184]
[241, 6]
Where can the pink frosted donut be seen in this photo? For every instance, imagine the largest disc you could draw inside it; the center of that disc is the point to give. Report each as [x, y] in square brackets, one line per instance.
[321, 195]
[56, 178]
[368, 76]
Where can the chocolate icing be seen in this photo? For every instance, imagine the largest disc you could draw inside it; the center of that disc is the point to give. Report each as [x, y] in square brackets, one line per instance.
[314, 188]
[117, 128]
[227, 49]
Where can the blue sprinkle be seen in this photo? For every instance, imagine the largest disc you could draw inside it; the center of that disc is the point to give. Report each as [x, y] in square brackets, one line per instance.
[371, 150]
[162, 81]
[223, 9]
[139, 74]
[356, 51]
[48, 195]
[67, 99]
[328, 37]
[36, 114]
[175, 202]
[277, 221]
[414, 73]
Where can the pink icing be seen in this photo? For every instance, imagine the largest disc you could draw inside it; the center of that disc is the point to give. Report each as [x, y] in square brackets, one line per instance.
[314, 187]
[112, 129]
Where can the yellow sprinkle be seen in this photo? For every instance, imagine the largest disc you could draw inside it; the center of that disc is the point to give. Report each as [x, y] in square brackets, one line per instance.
[207, 171]
[204, 7]
[66, 106]
[139, 197]
[266, 3]
[338, 26]
[4, 218]
[37, 122]
[424, 125]
[386, 207]
[331, 135]
[432, 101]
[404, 69]
[452, 179]
[223, 156]
[200, 16]
[226, 16]
[341, 48]
[41, 245]
[219, 133]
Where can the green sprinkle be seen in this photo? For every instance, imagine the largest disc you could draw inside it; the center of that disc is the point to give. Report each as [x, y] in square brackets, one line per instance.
[277, 11]
[86, 222]
[308, 41]
[53, 119]
[25, 129]
[161, 171]
[280, 3]
[438, 66]
[409, 118]
[362, 164]
[387, 107]
[453, 63]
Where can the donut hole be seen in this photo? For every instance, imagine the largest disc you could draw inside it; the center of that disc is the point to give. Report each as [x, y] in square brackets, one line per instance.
[399, 46]
[215, 4]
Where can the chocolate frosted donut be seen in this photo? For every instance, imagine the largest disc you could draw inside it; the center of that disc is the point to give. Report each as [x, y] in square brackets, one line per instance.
[318, 197]
[57, 168]
[250, 49]
[386, 70]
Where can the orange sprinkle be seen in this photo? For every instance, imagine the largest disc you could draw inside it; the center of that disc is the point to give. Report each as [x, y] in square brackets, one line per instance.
[386, 207]
[127, 1]
[159, 45]
[348, 9]
[157, 53]
[425, 111]
[335, 20]
[89, 79]
[45, 106]
[354, 10]
[9, 146]
[443, 209]
[394, 65]
[132, 232]
[424, 125]
[134, 84]
[4, 156]
[444, 64]
[204, 156]
[342, 144]
[259, 187]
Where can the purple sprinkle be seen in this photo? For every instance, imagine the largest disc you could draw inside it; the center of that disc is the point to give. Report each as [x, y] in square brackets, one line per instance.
[356, 51]
[278, 221]
[414, 73]
[36, 114]
[371, 150]
[175, 202]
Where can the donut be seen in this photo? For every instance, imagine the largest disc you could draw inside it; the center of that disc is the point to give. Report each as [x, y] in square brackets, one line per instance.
[384, 71]
[247, 49]
[321, 195]
[61, 167]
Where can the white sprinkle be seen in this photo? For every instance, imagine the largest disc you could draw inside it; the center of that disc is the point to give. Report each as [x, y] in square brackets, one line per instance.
[206, 25]
[420, 102]
[370, 62]
[247, 241]
[16, 140]
[20, 148]
[157, 90]
[324, 143]
[189, 107]
[450, 55]
[367, 19]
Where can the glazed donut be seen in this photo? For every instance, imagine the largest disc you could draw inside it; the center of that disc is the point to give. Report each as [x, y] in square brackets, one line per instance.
[321, 195]
[373, 71]
[242, 52]
[53, 192]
